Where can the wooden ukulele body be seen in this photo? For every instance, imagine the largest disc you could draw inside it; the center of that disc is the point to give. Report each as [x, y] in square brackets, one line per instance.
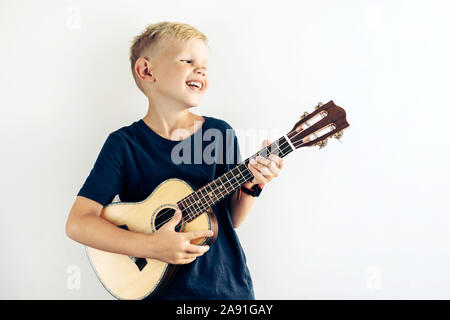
[138, 278]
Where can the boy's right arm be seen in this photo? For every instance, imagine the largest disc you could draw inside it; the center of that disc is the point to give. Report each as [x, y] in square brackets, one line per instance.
[85, 225]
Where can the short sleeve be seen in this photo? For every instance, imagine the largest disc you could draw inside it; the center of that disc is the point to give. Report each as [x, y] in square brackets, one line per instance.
[105, 180]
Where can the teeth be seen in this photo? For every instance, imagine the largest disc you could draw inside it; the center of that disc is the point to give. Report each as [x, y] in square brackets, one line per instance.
[195, 83]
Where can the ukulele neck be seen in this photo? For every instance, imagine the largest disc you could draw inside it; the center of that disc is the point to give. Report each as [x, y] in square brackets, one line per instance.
[205, 197]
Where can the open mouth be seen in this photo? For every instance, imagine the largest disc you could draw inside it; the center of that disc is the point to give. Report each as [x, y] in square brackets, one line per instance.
[196, 86]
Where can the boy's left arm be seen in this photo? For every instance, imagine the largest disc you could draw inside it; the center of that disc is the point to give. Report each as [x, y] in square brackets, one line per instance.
[263, 170]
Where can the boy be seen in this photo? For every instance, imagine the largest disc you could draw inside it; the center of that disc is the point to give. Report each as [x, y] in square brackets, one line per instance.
[169, 64]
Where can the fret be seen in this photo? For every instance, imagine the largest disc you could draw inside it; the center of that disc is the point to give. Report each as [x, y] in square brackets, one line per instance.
[191, 202]
[243, 175]
[197, 201]
[198, 206]
[231, 185]
[184, 207]
[237, 176]
[233, 176]
[217, 188]
[289, 142]
[217, 193]
[208, 193]
[287, 149]
[281, 155]
[204, 201]
[211, 193]
[222, 183]
[221, 187]
[191, 207]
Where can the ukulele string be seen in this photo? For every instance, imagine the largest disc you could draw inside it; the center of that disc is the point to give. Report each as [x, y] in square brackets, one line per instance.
[192, 214]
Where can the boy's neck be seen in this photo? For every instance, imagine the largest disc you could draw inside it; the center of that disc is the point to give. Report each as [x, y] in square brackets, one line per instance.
[165, 122]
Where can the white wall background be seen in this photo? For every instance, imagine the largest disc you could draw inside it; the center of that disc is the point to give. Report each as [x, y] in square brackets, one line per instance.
[366, 219]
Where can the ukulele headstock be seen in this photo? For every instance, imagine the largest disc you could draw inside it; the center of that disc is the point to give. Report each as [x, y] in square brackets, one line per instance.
[327, 120]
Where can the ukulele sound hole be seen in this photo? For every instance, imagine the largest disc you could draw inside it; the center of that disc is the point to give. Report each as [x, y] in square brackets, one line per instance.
[164, 216]
[140, 262]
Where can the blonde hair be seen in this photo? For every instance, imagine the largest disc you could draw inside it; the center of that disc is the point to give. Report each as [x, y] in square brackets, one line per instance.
[153, 33]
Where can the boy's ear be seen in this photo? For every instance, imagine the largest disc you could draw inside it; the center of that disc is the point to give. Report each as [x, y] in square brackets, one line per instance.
[142, 67]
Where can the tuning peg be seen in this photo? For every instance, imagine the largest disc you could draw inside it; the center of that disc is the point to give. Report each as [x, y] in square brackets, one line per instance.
[338, 135]
[322, 143]
[304, 114]
[319, 104]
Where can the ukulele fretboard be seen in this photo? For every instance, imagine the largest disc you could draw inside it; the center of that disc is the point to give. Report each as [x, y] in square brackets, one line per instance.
[205, 197]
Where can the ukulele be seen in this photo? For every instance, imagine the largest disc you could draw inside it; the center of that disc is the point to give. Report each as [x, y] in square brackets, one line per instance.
[127, 277]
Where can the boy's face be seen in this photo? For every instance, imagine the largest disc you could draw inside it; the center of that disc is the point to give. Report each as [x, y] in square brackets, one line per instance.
[175, 64]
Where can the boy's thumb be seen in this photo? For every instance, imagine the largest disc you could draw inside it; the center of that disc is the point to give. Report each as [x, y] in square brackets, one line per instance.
[176, 217]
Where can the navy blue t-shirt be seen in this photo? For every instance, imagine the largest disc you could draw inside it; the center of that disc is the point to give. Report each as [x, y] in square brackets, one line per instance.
[134, 160]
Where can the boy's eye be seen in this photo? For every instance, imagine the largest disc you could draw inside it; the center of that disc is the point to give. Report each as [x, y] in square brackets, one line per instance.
[189, 61]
